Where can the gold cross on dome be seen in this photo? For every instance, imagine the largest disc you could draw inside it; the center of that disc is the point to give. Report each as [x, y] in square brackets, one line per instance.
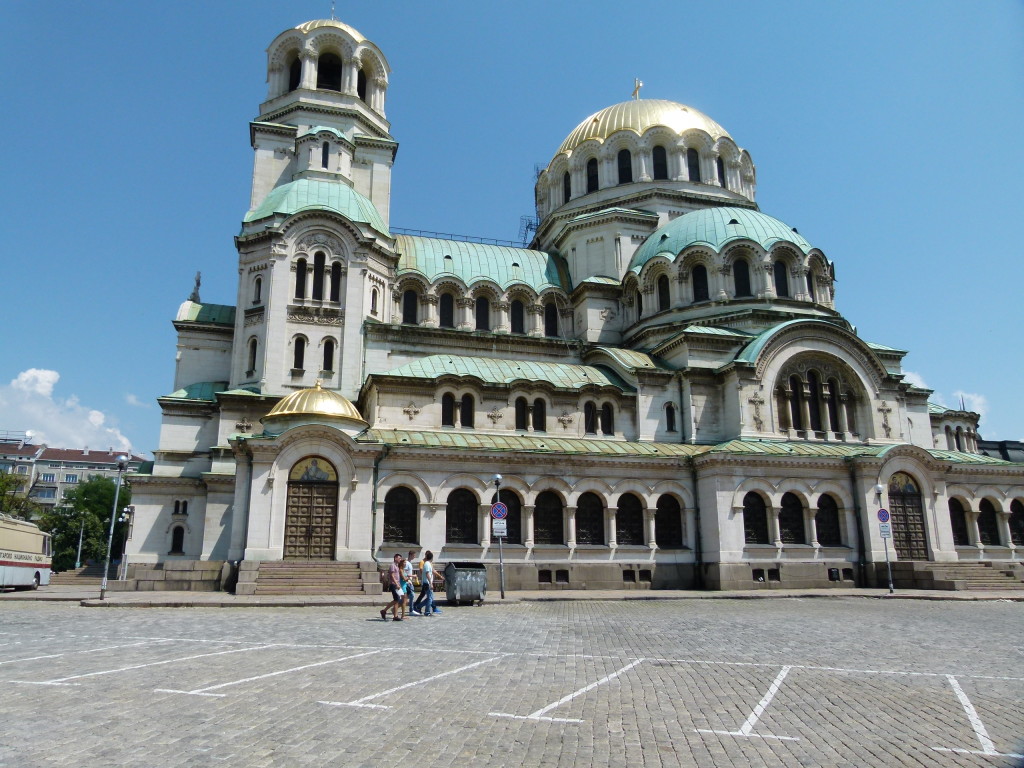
[637, 85]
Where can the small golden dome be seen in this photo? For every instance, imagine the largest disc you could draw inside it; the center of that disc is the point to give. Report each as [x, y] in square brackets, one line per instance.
[638, 115]
[308, 26]
[316, 401]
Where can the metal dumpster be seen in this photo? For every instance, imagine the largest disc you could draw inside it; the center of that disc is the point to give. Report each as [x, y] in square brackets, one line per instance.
[465, 583]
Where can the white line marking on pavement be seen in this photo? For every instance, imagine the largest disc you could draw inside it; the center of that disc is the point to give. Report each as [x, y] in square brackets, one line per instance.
[362, 702]
[538, 715]
[71, 653]
[204, 691]
[33, 658]
[987, 747]
[138, 666]
[748, 726]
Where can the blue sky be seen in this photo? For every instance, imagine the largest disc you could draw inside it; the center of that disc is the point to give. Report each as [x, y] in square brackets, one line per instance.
[888, 133]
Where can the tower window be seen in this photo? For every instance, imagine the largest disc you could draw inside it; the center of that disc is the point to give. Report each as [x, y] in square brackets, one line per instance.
[466, 412]
[693, 164]
[295, 74]
[521, 410]
[361, 85]
[410, 300]
[550, 319]
[328, 355]
[299, 355]
[373, 301]
[720, 166]
[625, 160]
[335, 281]
[607, 420]
[590, 419]
[318, 276]
[781, 279]
[448, 410]
[663, 293]
[700, 283]
[741, 277]
[670, 418]
[252, 355]
[300, 279]
[325, 155]
[518, 317]
[810, 286]
[566, 187]
[257, 290]
[540, 416]
[483, 314]
[591, 175]
[328, 73]
[660, 158]
[447, 310]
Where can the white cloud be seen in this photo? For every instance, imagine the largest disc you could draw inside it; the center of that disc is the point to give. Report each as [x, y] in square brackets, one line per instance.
[36, 380]
[915, 378]
[132, 399]
[972, 402]
[27, 403]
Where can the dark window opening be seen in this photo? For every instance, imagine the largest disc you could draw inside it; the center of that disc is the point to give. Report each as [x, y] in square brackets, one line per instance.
[521, 413]
[514, 519]
[328, 355]
[325, 155]
[483, 313]
[660, 158]
[300, 279]
[663, 293]
[447, 310]
[566, 187]
[741, 277]
[400, 513]
[755, 519]
[668, 523]
[177, 541]
[335, 282]
[988, 524]
[826, 522]
[539, 416]
[294, 74]
[693, 164]
[791, 520]
[670, 418]
[466, 412]
[625, 160]
[700, 283]
[720, 166]
[781, 279]
[590, 419]
[318, 276]
[629, 521]
[257, 291]
[299, 355]
[518, 316]
[328, 72]
[252, 355]
[958, 522]
[461, 518]
[589, 519]
[607, 420]
[1016, 522]
[361, 85]
[410, 305]
[550, 319]
[548, 517]
[448, 410]
[591, 175]
[814, 403]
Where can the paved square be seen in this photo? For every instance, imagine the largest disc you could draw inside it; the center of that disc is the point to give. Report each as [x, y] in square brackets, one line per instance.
[780, 682]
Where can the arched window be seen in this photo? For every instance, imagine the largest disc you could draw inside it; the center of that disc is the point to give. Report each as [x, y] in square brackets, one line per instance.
[832, 399]
[700, 283]
[814, 404]
[589, 519]
[796, 414]
[299, 353]
[328, 355]
[663, 293]
[810, 286]
[257, 290]
[625, 161]
[461, 518]
[781, 279]
[590, 419]
[791, 520]
[670, 418]
[448, 410]
[325, 155]
[957, 438]
[514, 519]
[410, 305]
[988, 525]
[1017, 522]
[300, 279]
[550, 319]
[177, 540]
[361, 85]
[400, 514]
[548, 527]
[335, 282]
[252, 356]
[518, 316]
[540, 416]
[607, 419]
[755, 519]
[295, 74]
[629, 521]
[483, 313]
[521, 413]
[591, 175]
[374, 295]
[638, 297]
[693, 164]
[720, 167]
[741, 277]
[328, 72]
[318, 276]
[668, 523]
[466, 412]
[958, 522]
[826, 522]
[660, 158]
[566, 187]
[447, 310]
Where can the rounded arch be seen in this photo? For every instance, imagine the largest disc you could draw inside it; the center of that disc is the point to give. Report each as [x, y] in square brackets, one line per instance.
[629, 519]
[463, 480]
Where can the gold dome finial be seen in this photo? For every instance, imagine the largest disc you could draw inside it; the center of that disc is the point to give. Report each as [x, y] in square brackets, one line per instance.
[637, 85]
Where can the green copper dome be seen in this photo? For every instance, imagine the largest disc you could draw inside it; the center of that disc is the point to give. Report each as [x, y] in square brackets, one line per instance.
[316, 194]
[716, 227]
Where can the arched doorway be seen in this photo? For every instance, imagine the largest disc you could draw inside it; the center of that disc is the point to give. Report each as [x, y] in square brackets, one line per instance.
[311, 517]
[908, 534]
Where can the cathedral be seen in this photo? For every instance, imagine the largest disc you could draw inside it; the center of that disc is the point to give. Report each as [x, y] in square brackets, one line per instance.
[662, 379]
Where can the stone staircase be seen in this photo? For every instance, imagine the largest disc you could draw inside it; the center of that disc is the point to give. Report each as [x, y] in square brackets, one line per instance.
[297, 577]
[957, 577]
[86, 576]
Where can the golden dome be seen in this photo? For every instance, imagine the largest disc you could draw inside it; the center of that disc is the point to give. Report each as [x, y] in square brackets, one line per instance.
[638, 115]
[316, 402]
[308, 26]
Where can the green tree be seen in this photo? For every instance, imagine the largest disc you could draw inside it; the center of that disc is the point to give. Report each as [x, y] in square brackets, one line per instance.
[86, 509]
[15, 498]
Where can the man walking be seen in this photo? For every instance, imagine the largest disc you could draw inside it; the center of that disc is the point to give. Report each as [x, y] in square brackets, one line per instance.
[425, 602]
[407, 585]
[395, 578]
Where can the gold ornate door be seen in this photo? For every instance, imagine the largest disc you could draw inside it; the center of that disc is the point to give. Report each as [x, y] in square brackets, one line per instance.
[311, 515]
[909, 538]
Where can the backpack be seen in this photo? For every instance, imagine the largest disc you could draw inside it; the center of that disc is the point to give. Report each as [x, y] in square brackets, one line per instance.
[385, 579]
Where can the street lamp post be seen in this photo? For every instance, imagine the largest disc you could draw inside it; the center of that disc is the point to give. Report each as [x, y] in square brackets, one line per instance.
[501, 558]
[126, 517]
[81, 531]
[122, 465]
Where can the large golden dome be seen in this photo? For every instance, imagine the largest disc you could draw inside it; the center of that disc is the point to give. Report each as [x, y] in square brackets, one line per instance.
[638, 115]
[316, 402]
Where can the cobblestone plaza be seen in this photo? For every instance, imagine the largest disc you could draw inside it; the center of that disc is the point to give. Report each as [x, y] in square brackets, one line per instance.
[809, 682]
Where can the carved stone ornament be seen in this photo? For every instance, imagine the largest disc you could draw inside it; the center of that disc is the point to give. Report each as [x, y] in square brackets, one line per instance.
[757, 401]
[255, 318]
[411, 410]
[885, 410]
[495, 415]
[244, 425]
[608, 314]
[565, 419]
[319, 240]
[316, 315]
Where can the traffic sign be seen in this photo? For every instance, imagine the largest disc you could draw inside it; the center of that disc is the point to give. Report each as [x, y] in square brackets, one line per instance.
[885, 530]
[499, 528]
[499, 511]
[883, 515]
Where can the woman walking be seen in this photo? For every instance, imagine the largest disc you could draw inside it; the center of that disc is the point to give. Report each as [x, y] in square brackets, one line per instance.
[425, 602]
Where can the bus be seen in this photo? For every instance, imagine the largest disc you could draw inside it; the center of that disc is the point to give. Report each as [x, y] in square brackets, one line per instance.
[25, 556]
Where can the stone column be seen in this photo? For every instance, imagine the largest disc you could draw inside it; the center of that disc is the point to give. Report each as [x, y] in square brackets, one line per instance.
[645, 158]
[609, 522]
[464, 312]
[527, 510]
[844, 427]
[812, 527]
[483, 520]
[649, 526]
[570, 538]
[429, 304]
[308, 79]
[805, 408]
[1003, 520]
[773, 526]
[503, 325]
[349, 75]
[535, 320]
